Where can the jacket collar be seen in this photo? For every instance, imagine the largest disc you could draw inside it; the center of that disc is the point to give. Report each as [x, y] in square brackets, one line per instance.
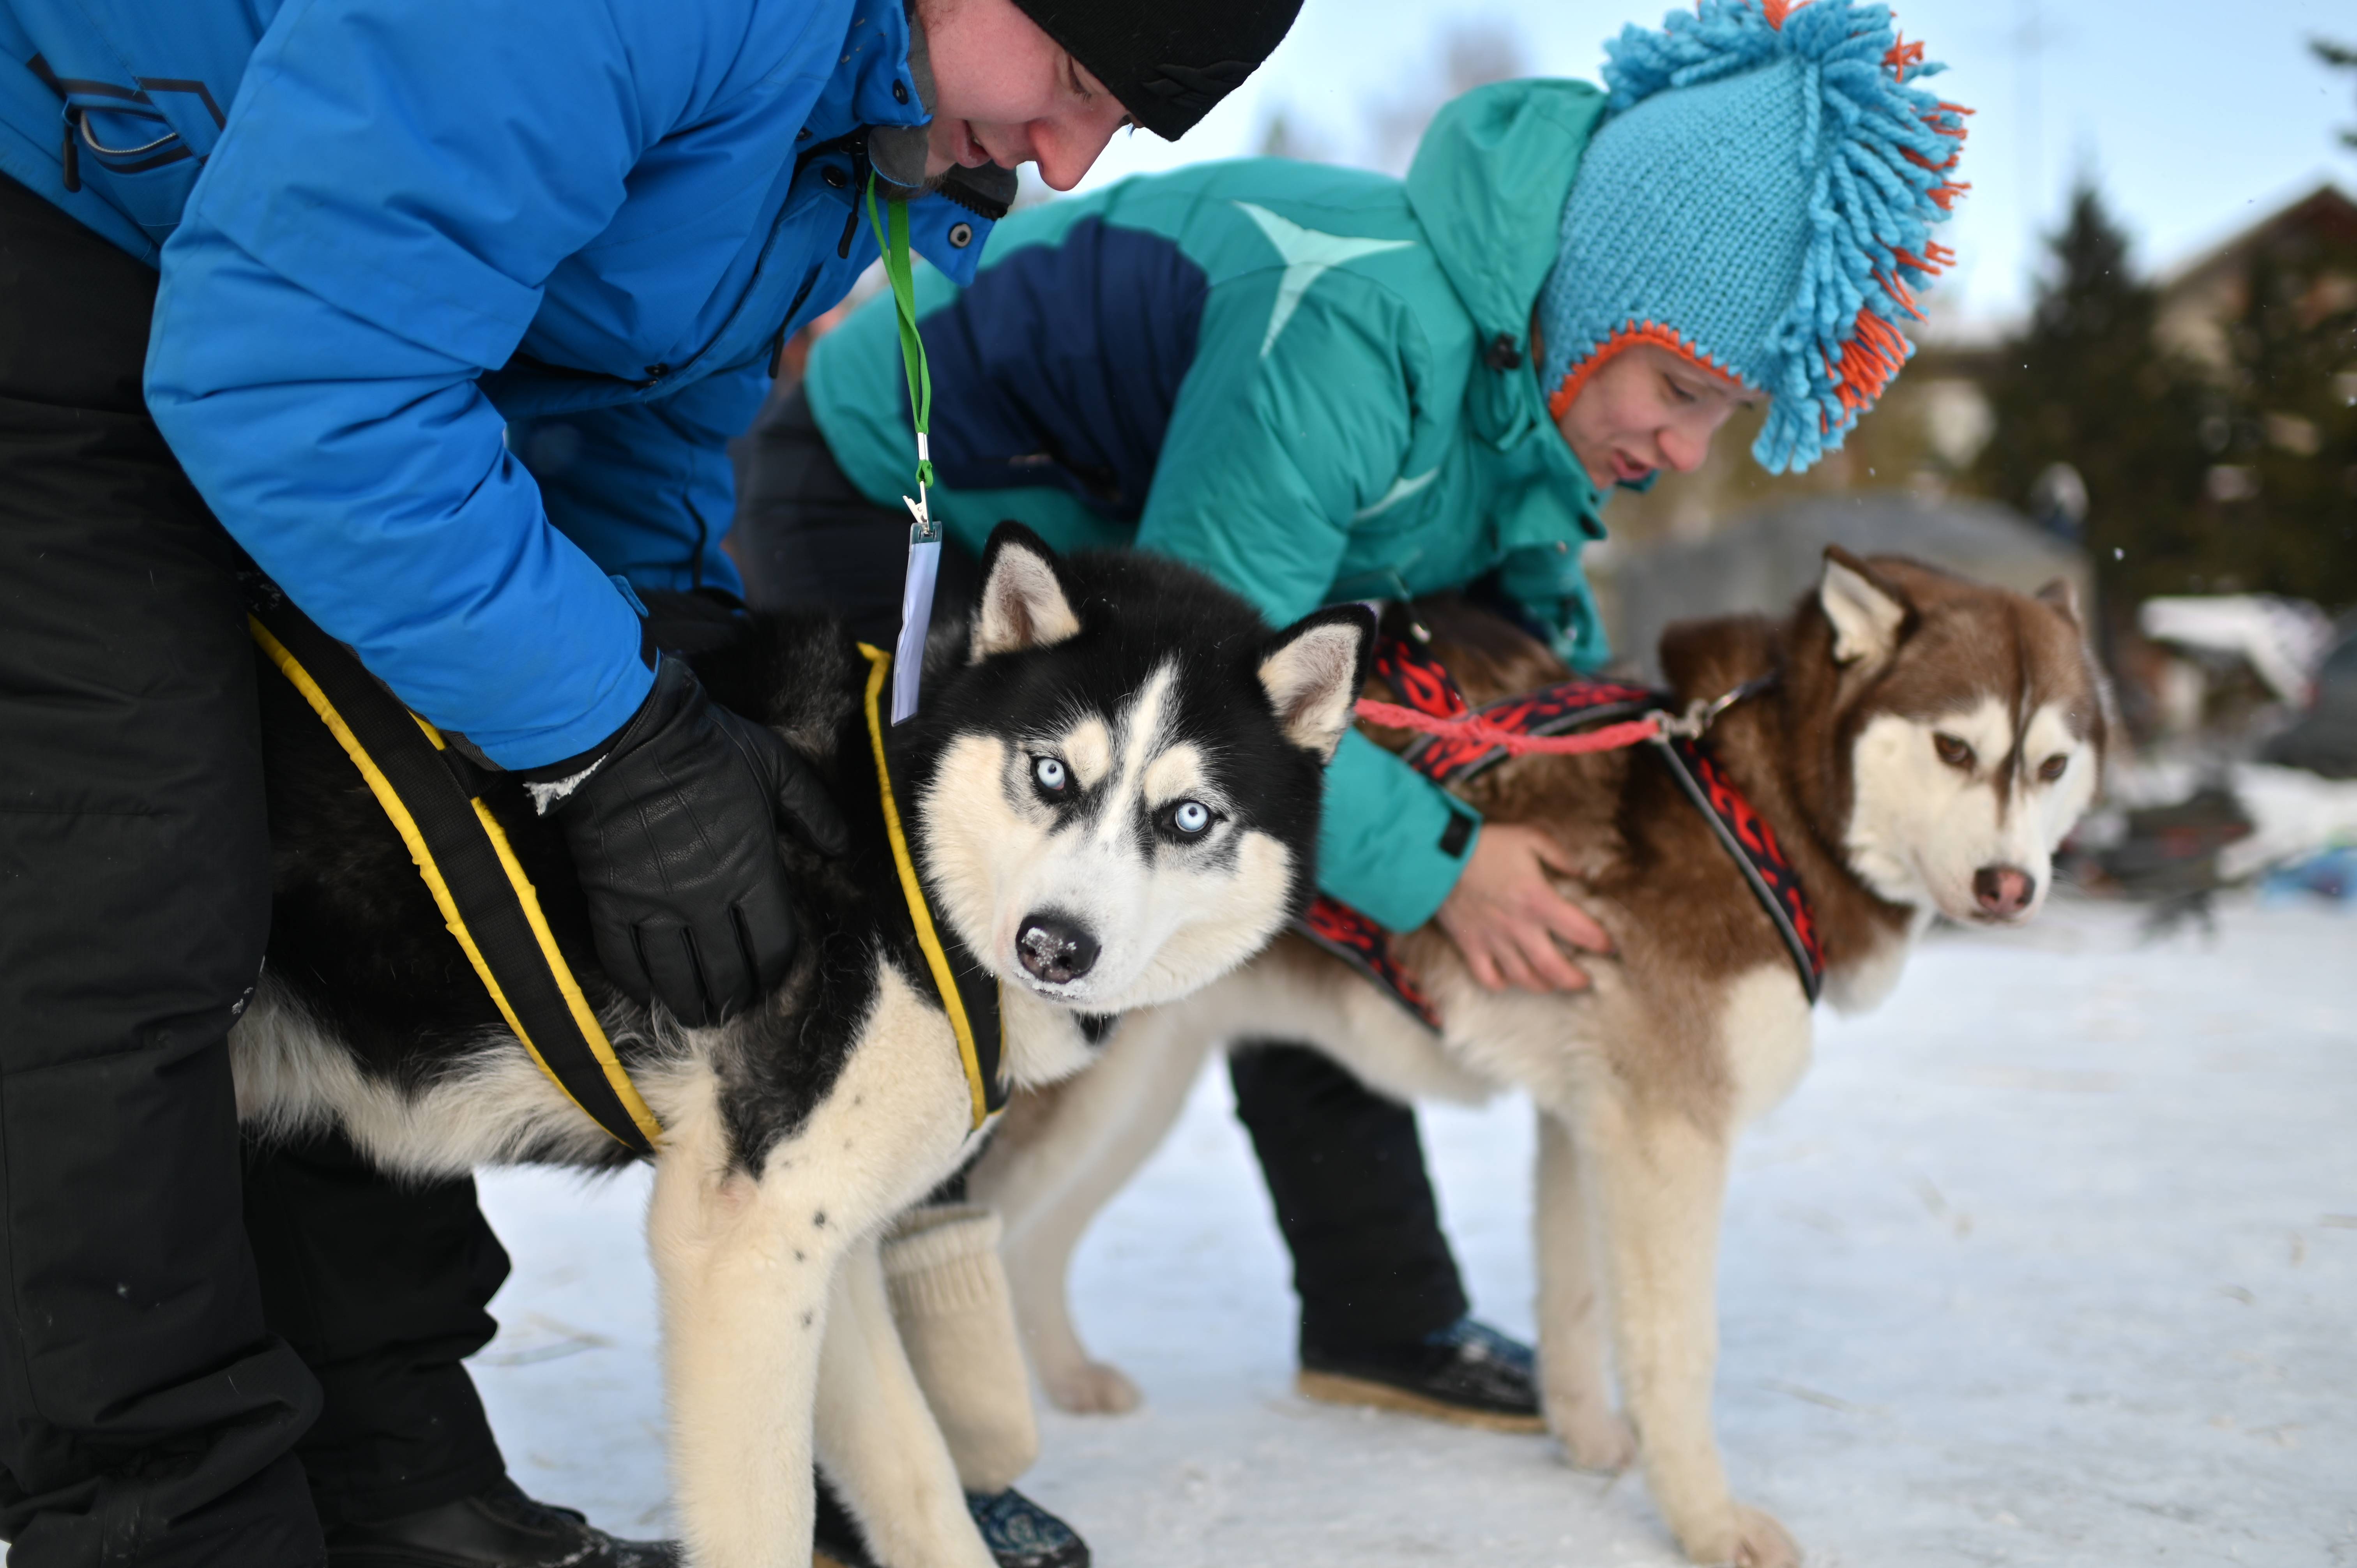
[1488, 186]
[872, 62]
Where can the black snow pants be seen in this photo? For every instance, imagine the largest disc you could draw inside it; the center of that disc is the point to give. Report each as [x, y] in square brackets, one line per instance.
[1344, 1166]
[207, 1349]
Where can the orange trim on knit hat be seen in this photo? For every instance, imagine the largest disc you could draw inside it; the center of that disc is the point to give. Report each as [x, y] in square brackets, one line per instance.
[1875, 353]
[1945, 194]
[1629, 337]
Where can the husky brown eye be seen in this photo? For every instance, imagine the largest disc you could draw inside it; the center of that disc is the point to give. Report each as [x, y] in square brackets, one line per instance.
[2053, 767]
[1953, 752]
[1051, 774]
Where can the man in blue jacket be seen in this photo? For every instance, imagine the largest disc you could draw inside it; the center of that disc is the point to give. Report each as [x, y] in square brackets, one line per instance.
[443, 310]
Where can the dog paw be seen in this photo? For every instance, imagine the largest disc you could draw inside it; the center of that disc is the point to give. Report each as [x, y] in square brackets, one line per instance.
[1093, 1388]
[1750, 1538]
[1593, 1437]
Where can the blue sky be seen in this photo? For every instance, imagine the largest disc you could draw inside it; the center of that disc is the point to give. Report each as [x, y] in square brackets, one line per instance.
[2196, 118]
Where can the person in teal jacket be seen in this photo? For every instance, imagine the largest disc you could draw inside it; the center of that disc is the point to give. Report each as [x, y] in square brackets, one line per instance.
[1334, 363]
[1320, 385]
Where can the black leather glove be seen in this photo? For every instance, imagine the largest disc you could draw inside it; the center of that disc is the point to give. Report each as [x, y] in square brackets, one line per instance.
[674, 838]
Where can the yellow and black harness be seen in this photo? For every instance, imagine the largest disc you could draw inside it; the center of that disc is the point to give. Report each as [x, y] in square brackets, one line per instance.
[968, 992]
[428, 793]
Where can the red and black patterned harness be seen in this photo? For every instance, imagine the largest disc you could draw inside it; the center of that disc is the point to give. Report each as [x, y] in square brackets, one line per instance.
[1425, 687]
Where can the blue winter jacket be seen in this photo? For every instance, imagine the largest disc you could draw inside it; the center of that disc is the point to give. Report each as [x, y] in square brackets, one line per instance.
[461, 300]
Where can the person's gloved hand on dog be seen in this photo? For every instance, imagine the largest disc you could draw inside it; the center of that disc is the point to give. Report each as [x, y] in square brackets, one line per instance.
[674, 835]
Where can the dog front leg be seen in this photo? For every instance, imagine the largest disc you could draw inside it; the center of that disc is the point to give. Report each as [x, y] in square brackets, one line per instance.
[1048, 1182]
[878, 1438]
[1662, 1183]
[1571, 1312]
[744, 1284]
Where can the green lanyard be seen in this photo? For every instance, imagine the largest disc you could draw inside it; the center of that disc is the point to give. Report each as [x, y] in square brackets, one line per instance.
[892, 239]
[925, 538]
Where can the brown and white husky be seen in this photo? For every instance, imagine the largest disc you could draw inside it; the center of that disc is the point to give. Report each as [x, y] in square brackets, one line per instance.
[1926, 744]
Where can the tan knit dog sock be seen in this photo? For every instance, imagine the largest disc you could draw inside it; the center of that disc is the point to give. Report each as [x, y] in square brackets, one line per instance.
[949, 1301]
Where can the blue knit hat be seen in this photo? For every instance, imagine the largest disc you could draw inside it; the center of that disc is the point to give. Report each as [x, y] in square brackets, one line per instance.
[1759, 199]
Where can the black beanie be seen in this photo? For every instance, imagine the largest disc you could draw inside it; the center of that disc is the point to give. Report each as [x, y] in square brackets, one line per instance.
[1168, 63]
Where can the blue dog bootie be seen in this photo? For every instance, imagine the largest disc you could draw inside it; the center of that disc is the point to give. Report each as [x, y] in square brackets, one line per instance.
[1018, 1531]
[1022, 1534]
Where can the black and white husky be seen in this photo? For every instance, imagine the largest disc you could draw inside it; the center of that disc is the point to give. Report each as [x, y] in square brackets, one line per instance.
[1112, 794]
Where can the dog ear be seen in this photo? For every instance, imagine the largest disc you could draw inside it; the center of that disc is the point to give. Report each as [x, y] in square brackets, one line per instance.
[1024, 604]
[2063, 597]
[1866, 613]
[1312, 672]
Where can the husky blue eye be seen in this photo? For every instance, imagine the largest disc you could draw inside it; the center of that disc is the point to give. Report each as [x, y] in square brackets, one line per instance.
[1190, 818]
[1049, 774]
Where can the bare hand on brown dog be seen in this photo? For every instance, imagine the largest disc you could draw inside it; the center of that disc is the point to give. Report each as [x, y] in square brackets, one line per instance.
[1507, 918]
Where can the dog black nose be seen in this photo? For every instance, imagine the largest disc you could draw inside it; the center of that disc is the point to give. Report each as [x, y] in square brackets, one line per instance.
[2004, 891]
[1055, 949]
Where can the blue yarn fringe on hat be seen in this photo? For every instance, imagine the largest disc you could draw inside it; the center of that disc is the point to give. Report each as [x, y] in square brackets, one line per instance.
[1792, 278]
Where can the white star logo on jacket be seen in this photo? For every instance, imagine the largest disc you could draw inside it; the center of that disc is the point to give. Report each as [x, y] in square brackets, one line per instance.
[1307, 254]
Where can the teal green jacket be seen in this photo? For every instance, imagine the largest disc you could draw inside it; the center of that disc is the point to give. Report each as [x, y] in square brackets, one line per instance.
[1314, 383]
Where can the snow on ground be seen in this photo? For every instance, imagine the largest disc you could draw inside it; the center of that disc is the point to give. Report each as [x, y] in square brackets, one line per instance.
[2053, 1259]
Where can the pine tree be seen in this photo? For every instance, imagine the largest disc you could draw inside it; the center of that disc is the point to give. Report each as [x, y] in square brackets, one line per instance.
[2086, 383]
[2285, 422]
[2340, 56]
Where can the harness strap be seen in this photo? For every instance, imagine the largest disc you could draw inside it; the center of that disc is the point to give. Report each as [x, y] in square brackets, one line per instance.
[1460, 743]
[968, 992]
[1420, 681]
[468, 864]
[1355, 938]
[1747, 839]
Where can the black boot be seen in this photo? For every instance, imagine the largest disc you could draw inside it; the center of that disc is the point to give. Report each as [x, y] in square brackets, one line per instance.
[1467, 1373]
[1018, 1531]
[498, 1528]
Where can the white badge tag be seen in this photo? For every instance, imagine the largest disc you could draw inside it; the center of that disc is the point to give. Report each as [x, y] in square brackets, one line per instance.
[916, 611]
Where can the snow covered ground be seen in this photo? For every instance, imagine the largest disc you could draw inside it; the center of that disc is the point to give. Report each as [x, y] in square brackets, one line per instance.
[2050, 1260]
